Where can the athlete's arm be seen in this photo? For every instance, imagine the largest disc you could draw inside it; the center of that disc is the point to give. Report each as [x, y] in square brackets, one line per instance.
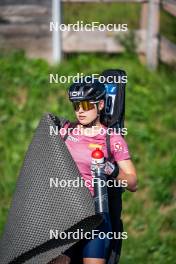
[127, 172]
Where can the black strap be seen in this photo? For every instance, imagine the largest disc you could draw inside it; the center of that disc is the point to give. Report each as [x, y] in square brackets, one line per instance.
[66, 136]
[108, 144]
[62, 126]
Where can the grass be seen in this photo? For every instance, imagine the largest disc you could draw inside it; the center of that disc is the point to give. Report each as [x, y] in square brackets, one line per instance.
[116, 13]
[149, 214]
[104, 13]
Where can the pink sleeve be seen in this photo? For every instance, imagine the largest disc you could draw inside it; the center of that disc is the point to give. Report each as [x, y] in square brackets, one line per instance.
[119, 148]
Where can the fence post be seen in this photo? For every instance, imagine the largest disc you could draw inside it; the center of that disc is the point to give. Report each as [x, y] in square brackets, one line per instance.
[143, 30]
[56, 35]
[144, 15]
[153, 34]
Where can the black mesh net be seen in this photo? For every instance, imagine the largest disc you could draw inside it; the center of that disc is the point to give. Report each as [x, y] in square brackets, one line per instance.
[37, 208]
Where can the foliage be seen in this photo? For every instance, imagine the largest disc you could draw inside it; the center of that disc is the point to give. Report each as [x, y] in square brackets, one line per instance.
[116, 13]
[128, 41]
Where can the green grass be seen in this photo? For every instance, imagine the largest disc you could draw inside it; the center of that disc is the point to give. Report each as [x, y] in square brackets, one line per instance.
[117, 13]
[149, 214]
[168, 26]
[104, 13]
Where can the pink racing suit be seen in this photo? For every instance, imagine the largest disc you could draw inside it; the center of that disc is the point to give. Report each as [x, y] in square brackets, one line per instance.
[81, 147]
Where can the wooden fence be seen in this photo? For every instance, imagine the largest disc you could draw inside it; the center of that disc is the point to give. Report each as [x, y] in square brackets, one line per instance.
[25, 24]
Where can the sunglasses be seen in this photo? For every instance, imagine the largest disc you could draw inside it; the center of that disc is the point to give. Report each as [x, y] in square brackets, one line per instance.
[86, 105]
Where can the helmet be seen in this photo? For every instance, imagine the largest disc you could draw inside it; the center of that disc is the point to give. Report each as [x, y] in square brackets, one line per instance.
[92, 91]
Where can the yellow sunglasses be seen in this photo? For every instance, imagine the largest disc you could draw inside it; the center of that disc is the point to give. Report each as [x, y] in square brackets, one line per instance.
[86, 105]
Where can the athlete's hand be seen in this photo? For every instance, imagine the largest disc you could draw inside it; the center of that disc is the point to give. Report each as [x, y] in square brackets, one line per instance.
[111, 169]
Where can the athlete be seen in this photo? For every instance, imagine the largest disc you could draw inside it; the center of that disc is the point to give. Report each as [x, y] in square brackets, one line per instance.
[84, 136]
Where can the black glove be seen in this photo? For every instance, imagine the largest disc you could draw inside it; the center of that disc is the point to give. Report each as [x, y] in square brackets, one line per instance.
[111, 169]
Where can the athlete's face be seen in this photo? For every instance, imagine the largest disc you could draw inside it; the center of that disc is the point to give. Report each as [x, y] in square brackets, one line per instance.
[86, 117]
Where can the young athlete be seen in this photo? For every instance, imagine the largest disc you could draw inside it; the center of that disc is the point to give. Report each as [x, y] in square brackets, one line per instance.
[88, 102]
